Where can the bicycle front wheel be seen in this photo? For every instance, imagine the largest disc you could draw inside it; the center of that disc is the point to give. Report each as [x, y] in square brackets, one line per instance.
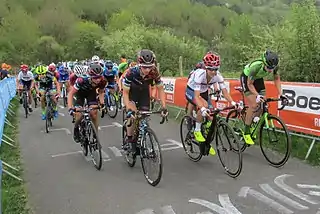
[65, 98]
[273, 132]
[25, 105]
[236, 120]
[227, 141]
[151, 158]
[113, 106]
[94, 145]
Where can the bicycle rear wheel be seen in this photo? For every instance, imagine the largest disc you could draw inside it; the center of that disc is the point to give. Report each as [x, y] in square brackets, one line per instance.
[226, 134]
[151, 152]
[236, 121]
[112, 104]
[190, 146]
[274, 128]
[94, 146]
[25, 105]
[65, 98]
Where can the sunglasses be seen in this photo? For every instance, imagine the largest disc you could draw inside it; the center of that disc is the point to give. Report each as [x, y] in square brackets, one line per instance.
[109, 67]
[269, 67]
[212, 68]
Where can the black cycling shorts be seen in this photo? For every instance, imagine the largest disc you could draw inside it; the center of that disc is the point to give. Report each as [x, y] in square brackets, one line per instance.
[140, 95]
[190, 96]
[91, 97]
[26, 83]
[111, 82]
[258, 85]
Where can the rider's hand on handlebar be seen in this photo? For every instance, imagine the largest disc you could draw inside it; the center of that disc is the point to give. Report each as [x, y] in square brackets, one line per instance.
[259, 98]
[204, 112]
[284, 99]
[71, 111]
[131, 114]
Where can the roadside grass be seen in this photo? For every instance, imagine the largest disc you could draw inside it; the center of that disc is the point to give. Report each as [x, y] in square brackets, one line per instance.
[300, 145]
[14, 196]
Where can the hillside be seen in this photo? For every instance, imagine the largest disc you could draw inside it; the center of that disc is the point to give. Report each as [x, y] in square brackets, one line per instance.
[45, 30]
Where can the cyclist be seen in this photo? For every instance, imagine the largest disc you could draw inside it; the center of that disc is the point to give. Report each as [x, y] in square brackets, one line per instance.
[25, 78]
[95, 59]
[47, 81]
[197, 91]
[79, 71]
[111, 74]
[123, 65]
[253, 86]
[85, 88]
[63, 77]
[136, 93]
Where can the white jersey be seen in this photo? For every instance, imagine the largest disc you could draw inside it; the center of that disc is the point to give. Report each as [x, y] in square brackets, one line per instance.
[198, 80]
[25, 76]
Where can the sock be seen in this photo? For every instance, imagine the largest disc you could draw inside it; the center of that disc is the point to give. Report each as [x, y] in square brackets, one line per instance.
[247, 129]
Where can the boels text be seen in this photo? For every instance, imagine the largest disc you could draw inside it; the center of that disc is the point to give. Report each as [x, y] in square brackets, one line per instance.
[313, 103]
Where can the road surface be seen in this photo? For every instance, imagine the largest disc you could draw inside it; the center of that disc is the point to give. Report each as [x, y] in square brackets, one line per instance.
[61, 181]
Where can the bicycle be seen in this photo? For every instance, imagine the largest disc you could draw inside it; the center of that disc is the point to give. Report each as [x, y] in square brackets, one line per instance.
[35, 97]
[215, 131]
[49, 109]
[262, 123]
[86, 127]
[145, 150]
[25, 100]
[64, 93]
[111, 103]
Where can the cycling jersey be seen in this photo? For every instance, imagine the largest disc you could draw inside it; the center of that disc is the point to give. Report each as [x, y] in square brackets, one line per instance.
[45, 81]
[133, 76]
[28, 76]
[122, 67]
[255, 70]
[198, 80]
[63, 76]
[112, 73]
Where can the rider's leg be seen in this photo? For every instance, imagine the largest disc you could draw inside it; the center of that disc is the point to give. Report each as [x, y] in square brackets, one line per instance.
[20, 87]
[55, 102]
[43, 103]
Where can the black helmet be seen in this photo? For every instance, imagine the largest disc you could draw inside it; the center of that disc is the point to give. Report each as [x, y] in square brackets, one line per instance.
[270, 59]
[95, 70]
[146, 58]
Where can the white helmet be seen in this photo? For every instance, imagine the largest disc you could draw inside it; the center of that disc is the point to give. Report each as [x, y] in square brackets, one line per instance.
[79, 70]
[95, 58]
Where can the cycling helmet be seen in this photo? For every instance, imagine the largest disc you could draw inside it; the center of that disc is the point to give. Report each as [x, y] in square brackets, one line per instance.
[212, 60]
[95, 58]
[146, 58]
[24, 67]
[41, 69]
[109, 64]
[52, 67]
[95, 70]
[79, 70]
[270, 59]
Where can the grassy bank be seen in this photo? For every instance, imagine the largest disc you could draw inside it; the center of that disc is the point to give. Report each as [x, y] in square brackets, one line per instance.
[300, 145]
[14, 197]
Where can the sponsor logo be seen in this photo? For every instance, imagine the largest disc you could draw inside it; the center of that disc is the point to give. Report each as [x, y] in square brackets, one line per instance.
[169, 84]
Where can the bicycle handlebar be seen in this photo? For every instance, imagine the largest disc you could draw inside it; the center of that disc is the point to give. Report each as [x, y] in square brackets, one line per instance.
[86, 109]
[217, 111]
[283, 101]
[140, 114]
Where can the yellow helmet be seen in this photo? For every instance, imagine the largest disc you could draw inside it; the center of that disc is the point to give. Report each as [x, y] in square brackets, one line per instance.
[41, 69]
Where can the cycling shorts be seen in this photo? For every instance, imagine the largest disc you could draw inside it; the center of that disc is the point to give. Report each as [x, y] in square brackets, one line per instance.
[258, 85]
[190, 96]
[52, 91]
[91, 97]
[25, 83]
[111, 82]
[140, 96]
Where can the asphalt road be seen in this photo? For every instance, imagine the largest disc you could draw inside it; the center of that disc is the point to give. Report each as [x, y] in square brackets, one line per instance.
[61, 181]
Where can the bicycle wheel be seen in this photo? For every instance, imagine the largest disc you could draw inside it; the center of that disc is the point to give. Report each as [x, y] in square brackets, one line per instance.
[47, 119]
[113, 106]
[25, 105]
[128, 155]
[65, 98]
[190, 146]
[224, 130]
[94, 145]
[276, 127]
[151, 151]
[235, 119]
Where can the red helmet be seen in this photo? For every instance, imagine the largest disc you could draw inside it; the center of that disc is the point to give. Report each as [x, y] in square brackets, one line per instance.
[52, 68]
[24, 67]
[212, 60]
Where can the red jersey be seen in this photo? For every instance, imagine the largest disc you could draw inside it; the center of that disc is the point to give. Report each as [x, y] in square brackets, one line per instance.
[72, 79]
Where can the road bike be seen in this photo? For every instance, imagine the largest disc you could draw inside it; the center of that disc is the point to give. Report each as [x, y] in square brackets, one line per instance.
[49, 109]
[25, 100]
[35, 97]
[272, 124]
[217, 130]
[148, 150]
[86, 131]
[64, 93]
[111, 103]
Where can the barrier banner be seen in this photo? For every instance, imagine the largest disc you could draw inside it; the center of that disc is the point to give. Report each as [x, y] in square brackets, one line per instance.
[301, 115]
[0, 185]
[7, 92]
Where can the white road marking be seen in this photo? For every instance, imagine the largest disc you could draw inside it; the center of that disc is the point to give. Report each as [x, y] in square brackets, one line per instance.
[227, 208]
[268, 189]
[244, 191]
[117, 124]
[115, 151]
[173, 143]
[61, 106]
[279, 181]
[65, 154]
[146, 211]
[60, 129]
[107, 126]
[167, 210]
[62, 114]
[105, 156]
[307, 186]
[314, 193]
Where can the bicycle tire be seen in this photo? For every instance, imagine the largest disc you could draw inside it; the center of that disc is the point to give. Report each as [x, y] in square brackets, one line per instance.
[235, 114]
[155, 182]
[47, 121]
[130, 157]
[237, 172]
[111, 96]
[189, 135]
[35, 102]
[96, 146]
[65, 98]
[25, 105]
[288, 142]
[83, 143]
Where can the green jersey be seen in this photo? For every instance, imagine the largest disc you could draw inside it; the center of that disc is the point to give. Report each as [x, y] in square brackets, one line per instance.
[255, 70]
[123, 66]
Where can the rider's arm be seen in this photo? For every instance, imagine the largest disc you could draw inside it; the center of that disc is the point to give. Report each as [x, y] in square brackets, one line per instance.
[57, 85]
[19, 78]
[158, 82]
[101, 91]
[71, 93]
[277, 81]
[223, 88]
[126, 89]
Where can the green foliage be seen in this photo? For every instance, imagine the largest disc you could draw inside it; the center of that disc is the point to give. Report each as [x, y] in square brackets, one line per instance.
[240, 30]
